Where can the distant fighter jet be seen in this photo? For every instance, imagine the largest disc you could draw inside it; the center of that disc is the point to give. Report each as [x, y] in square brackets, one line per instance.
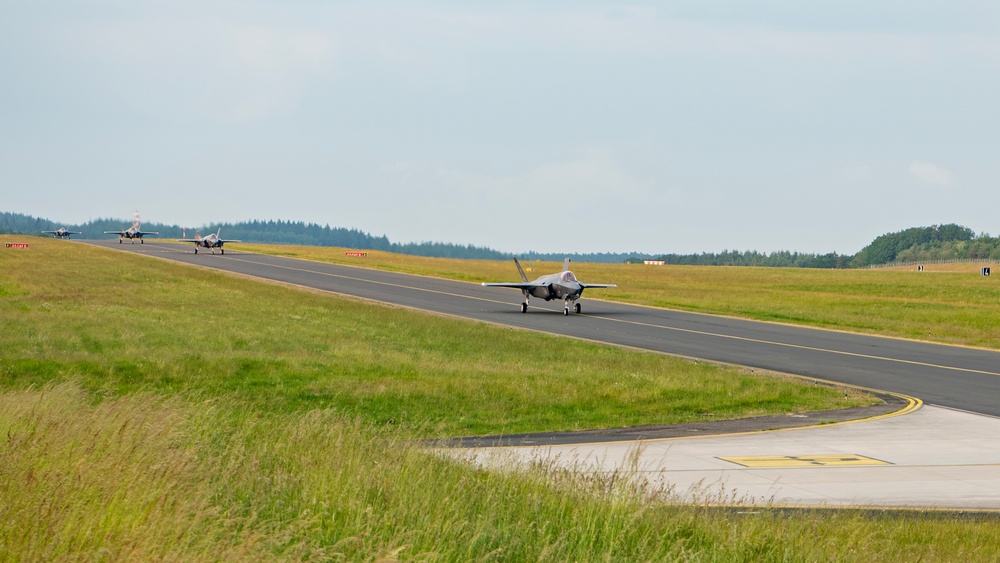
[62, 233]
[563, 285]
[132, 232]
[210, 241]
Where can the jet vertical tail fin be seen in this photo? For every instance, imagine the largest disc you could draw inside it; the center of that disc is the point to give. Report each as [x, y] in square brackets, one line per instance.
[566, 264]
[520, 270]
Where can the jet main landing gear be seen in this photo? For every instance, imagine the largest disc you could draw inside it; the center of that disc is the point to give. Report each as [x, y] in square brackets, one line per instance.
[576, 308]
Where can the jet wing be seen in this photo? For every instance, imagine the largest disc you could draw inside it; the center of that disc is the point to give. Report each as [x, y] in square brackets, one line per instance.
[144, 233]
[229, 240]
[589, 285]
[527, 285]
[188, 240]
[114, 232]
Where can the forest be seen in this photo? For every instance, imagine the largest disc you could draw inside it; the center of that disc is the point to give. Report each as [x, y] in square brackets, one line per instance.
[917, 244]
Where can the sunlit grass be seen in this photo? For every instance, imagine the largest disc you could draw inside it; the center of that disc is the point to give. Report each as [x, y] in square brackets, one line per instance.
[123, 323]
[96, 482]
[951, 304]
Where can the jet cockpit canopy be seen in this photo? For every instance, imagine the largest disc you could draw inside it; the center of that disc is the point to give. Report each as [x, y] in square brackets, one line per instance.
[567, 276]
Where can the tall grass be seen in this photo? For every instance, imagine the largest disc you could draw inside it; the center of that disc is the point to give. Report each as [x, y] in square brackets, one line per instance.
[96, 482]
[143, 477]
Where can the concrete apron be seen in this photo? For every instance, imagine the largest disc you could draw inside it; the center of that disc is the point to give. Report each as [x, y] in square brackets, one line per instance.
[932, 457]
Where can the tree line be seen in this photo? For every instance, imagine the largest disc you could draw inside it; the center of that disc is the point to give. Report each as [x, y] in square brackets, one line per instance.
[937, 242]
[779, 259]
[268, 232]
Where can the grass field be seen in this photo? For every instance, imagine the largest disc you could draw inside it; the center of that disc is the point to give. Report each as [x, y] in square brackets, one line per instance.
[952, 304]
[119, 324]
[150, 411]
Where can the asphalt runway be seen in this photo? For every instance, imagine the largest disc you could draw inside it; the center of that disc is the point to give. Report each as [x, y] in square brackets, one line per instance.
[959, 378]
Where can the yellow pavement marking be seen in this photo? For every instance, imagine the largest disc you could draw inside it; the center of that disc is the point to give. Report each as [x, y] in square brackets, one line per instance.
[826, 460]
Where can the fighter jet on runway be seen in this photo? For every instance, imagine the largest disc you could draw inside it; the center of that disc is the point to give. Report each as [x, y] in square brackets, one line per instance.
[563, 285]
[132, 232]
[62, 233]
[210, 241]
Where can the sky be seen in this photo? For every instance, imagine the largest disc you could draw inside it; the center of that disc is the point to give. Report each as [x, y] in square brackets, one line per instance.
[656, 127]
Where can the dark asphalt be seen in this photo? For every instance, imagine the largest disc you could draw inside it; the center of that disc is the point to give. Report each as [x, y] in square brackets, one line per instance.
[707, 427]
[952, 376]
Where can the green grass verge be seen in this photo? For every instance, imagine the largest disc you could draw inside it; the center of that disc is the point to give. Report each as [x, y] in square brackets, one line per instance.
[155, 412]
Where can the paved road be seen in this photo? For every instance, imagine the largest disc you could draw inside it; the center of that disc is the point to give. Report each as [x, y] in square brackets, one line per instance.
[951, 376]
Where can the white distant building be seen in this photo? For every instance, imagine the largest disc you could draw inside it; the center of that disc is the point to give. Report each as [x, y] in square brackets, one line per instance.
[653, 262]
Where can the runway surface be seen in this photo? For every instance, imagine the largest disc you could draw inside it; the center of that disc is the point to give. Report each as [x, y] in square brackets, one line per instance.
[943, 456]
[951, 376]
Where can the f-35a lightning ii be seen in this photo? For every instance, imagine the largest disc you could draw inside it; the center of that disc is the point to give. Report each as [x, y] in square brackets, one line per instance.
[563, 285]
[210, 241]
[61, 232]
[132, 232]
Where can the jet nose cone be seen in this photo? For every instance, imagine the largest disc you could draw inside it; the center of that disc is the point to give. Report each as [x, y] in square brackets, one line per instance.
[570, 288]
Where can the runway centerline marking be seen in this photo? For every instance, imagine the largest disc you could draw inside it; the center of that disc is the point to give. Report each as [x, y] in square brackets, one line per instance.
[800, 346]
[624, 321]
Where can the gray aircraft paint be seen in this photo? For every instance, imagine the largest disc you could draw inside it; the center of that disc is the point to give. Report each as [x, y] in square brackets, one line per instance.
[133, 232]
[562, 285]
[61, 232]
[210, 241]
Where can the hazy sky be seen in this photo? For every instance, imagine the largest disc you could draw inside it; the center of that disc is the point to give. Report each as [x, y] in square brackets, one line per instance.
[551, 126]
